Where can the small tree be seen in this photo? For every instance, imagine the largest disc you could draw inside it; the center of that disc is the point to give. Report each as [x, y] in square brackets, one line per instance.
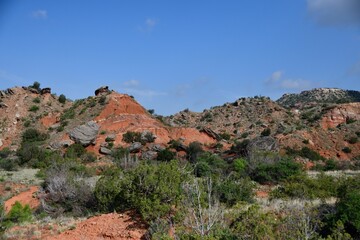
[36, 85]
[62, 98]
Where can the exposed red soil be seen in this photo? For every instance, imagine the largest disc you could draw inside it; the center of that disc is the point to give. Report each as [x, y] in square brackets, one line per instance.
[26, 197]
[50, 120]
[122, 114]
[339, 114]
[262, 194]
[107, 226]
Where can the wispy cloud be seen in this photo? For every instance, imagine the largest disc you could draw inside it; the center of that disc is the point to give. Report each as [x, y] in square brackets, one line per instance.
[148, 25]
[335, 12]
[9, 77]
[39, 14]
[134, 87]
[277, 80]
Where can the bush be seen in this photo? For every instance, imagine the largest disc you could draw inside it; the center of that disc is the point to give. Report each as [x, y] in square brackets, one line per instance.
[302, 186]
[152, 190]
[130, 137]
[33, 108]
[36, 85]
[67, 190]
[19, 213]
[353, 140]
[33, 135]
[8, 164]
[62, 98]
[305, 152]
[232, 191]
[75, 151]
[276, 172]
[346, 150]
[348, 205]
[166, 155]
[225, 136]
[193, 151]
[266, 132]
[36, 100]
[209, 164]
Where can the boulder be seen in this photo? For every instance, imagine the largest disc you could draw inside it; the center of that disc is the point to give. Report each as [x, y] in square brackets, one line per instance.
[147, 136]
[61, 144]
[102, 90]
[3, 105]
[33, 90]
[156, 147]
[10, 91]
[105, 151]
[135, 147]
[149, 155]
[85, 134]
[45, 90]
[2, 94]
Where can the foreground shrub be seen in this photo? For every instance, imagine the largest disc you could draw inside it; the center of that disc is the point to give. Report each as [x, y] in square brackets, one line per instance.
[150, 189]
[19, 213]
[33, 135]
[276, 172]
[67, 190]
[232, 191]
[302, 186]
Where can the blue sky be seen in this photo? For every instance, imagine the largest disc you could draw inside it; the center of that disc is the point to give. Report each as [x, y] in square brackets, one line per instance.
[173, 55]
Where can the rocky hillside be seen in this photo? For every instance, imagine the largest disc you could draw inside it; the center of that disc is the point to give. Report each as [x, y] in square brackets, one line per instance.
[99, 122]
[332, 130]
[319, 95]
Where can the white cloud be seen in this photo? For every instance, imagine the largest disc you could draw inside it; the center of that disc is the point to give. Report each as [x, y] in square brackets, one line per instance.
[39, 14]
[296, 84]
[335, 12]
[148, 25]
[277, 80]
[134, 87]
[131, 83]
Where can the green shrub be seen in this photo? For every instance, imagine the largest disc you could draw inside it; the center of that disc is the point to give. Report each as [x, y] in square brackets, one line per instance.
[75, 151]
[232, 191]
[8, 164]
[353, 140]
[36, 100]
[350, 120]
[225, 136]
[33, 135]
[152, 190]
[62, 98]
[276, 172]
[33, 108]
[130, 137]
[302, 186]
[266, 132]
[19, 213]
[305, 152]
[166, 155]
[348, 205]
[193, 151]
[36, 85]
[208, 164]
[346, 150]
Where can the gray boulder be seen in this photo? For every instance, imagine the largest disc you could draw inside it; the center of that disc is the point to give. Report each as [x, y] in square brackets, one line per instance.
[135, 147]
[105, 151]
[156, 147]
[149, 155]
[61, 144]
[85, 134]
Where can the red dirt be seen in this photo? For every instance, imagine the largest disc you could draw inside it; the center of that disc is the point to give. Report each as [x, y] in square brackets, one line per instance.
[122, 114]
[26, 197]
[49, 120]
[262, 194]
[107, 226]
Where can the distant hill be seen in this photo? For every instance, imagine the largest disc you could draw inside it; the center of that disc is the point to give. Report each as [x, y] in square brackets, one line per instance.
[319, 95]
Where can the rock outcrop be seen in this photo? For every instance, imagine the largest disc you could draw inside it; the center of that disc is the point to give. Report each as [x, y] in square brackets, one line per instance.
[102, 90]
[85, 134]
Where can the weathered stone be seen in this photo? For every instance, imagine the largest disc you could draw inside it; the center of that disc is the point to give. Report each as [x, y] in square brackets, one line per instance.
[2, 94]
[10, 91]
[135, 147]
[149, 155]
[33, 90]
[147, 136]
[3, 105]
[85, 134]
[61, 144]
[102, 90]
[56, 125]
[211, 133]
[105, 151]
[1, 143]
[156, 147]
[45, 91]
[104, 144]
